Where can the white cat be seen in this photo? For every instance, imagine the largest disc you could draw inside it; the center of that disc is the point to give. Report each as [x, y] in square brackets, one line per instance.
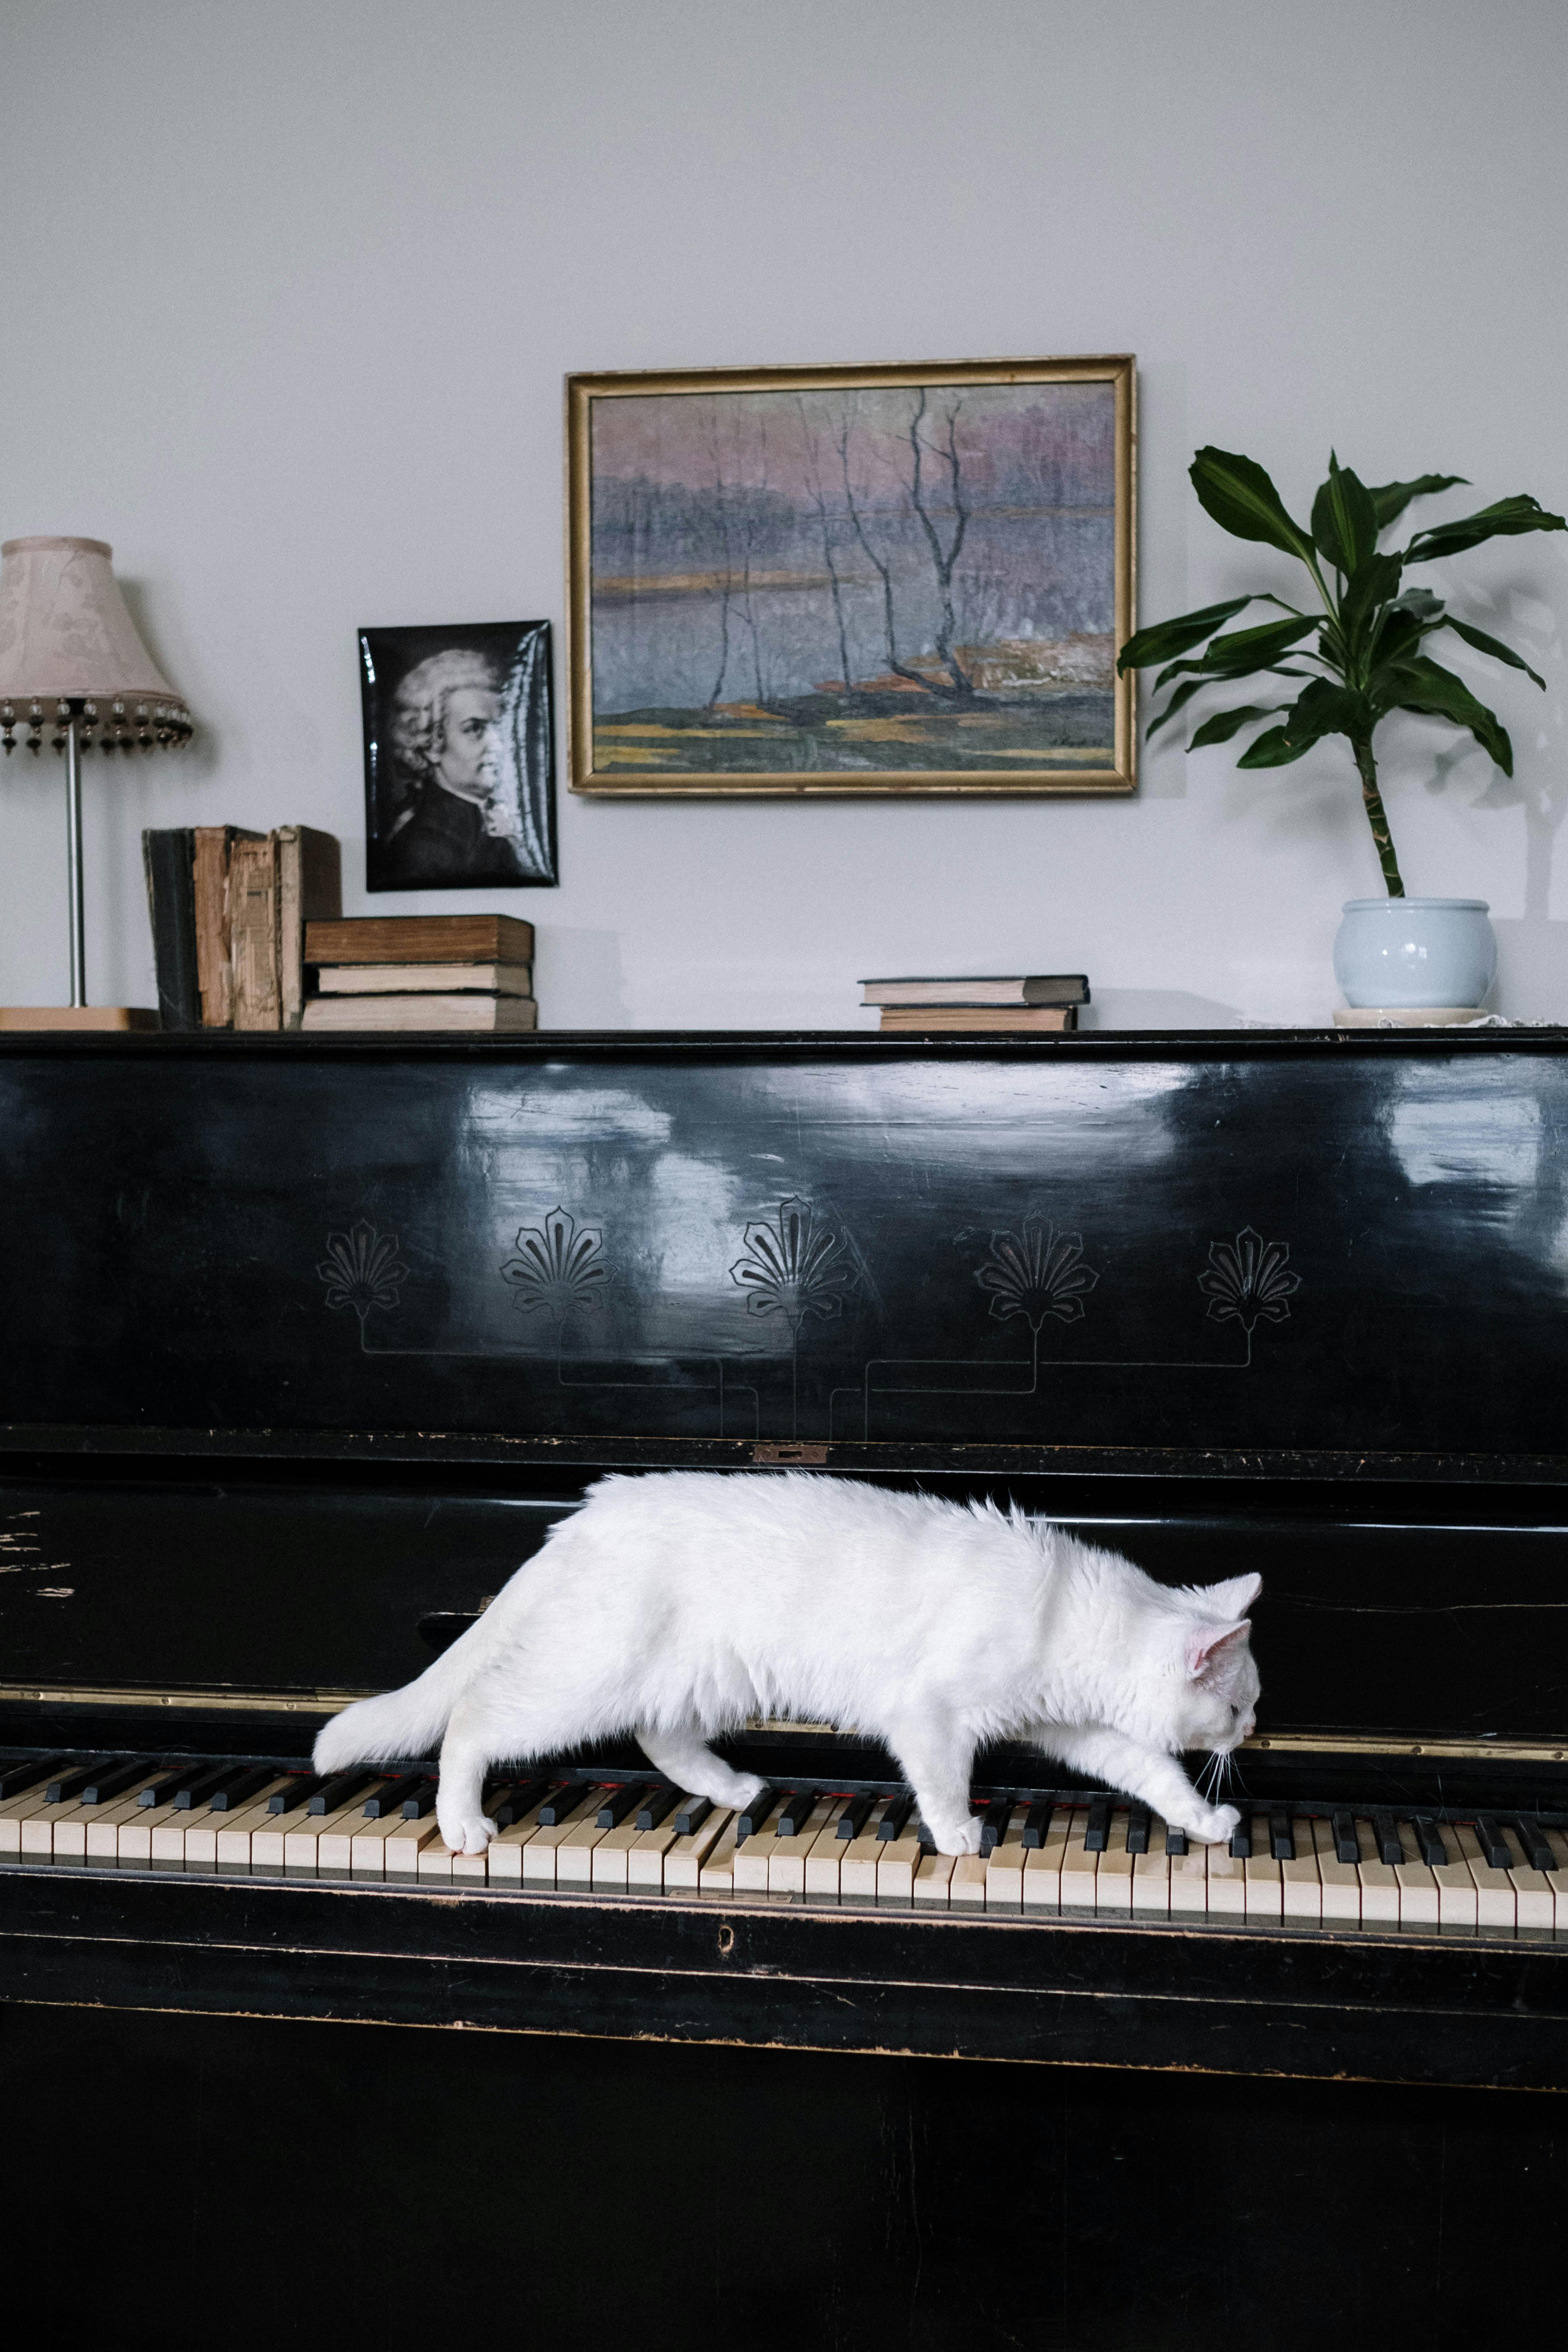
[677, 1604]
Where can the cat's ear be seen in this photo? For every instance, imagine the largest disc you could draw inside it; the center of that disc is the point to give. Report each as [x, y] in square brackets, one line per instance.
[1213, 1651]
[1235, 1597]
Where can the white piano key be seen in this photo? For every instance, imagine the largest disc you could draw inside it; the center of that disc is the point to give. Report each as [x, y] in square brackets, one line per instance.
[857, 1866]
[1558, 1879]
[401, 1850]
[503, 1856]
[1340, 1880]
[1114, 1878]
[1265, 1877]
[1152, 1875]
[1300, 1889]
[305, 1834]
[748, 1868]
[71, 1833]
[102, 1836]
[1456, 1909]
[539, 1855]
[133, 1840]
[933, 1877]
[716, 1874]
[644, 1856]
[1495, 1900]
[1226, 1884]
[1190, 1881]
[1533, 1907]
[1418, 1901]
[686, 1858]
[897, 1865]
[613, 1855]
[966, 1886]
[1043, 1868]
[205, 1847]
[825, 1859]
[1379, 1886]
[788, 1856]
[1004, 1866]
[1080, 1867]
[574, 1854]
[24, 1805]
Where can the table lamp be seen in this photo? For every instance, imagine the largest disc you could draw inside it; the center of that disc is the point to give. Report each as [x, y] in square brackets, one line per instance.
[73, 667]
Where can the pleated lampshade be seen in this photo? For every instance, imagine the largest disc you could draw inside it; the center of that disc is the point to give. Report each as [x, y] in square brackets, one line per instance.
[65, 636]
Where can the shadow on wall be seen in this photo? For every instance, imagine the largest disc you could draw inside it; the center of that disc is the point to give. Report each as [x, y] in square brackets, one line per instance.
[1157, 1008]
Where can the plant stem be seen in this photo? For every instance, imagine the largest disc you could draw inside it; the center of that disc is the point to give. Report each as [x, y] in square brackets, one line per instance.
[1366, 767]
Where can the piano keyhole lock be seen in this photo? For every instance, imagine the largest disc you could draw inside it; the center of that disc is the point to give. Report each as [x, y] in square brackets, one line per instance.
[726, 1940]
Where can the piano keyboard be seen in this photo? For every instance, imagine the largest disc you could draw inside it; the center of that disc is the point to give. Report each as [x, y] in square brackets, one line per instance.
[1489, 1874]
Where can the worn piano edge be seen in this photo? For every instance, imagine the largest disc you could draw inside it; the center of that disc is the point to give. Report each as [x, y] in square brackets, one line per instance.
[53, 1441]
[321, 1704]
[1341, 2004]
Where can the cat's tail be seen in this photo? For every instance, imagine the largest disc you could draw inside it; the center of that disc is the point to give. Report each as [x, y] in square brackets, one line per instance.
[400, 1724]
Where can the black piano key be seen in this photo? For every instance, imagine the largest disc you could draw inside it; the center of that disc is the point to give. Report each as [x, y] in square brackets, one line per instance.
[298, 1792]
[617, 1804]
[239, 1792]
[1492, 1842]
[1138, 1830]
[513, 1802]
[561, 1804]
[68, 1784]
[1281, 1838]
[18, 1778]
[1037, 1821]
[1097, 1837]
[894, 1821]
[115, 1783]
[994, 1823]
[1241, 1839]
[341, 1790]
[167, 1791]
[694, 1811]
[197, 1792]
[382, 1802]
[1175, 1841]
[798, 1809]
[655, 1808]
[855, 1816]
[1532, 1838]
[1385, 1834]
[419, 1801]
[754, 1815]
[1429, 1844]
[1347, 1845]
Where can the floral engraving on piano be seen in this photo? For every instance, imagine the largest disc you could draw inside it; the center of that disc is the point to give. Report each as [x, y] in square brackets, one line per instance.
[560, 1266]
[795, 1268]
[361, 1269]
[1035, 1272]
[1247, 1280]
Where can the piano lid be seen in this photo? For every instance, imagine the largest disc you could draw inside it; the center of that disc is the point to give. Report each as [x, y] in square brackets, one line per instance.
[1341, 1253]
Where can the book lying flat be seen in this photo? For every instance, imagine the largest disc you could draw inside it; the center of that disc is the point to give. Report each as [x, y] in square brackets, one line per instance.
[489, 1012]
[943, 1018]
[1037, 988]
[423, 979]
[420, 939]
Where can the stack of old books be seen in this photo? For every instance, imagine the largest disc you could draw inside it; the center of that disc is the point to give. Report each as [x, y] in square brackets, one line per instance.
[421, 971]
[229, 909]
[1031, 1001]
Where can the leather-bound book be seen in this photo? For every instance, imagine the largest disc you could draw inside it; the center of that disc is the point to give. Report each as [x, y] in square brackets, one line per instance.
[215, 846]
[167, 861]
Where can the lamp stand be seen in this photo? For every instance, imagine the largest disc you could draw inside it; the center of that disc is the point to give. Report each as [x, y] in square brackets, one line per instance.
[78, 1013]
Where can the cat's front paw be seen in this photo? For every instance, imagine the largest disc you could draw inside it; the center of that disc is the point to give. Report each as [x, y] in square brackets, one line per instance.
[959, 1835]
[465, 1833]
[744, 1789]
[1213, 1824]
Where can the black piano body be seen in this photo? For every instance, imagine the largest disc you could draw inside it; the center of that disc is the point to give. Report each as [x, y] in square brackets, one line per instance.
[309, 1344]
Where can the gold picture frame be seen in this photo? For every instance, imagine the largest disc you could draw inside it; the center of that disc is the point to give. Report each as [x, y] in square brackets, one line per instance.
[930, 530]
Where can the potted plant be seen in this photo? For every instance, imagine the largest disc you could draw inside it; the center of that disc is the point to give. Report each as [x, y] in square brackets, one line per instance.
[1359, 645]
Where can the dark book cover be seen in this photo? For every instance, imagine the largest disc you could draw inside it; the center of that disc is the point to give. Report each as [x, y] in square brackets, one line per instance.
[168, 860]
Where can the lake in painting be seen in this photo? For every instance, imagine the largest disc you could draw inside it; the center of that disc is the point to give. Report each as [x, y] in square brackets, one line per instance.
[856, 580]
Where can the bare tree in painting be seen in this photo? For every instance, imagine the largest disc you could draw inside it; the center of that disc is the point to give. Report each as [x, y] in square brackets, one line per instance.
[723, 572]
[956, 687]
[813, 447]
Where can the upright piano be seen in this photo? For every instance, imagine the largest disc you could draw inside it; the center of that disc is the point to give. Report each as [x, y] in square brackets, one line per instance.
[308, 1343]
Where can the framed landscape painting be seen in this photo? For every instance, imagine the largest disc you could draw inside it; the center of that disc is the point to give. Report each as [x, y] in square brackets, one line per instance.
[791, 581]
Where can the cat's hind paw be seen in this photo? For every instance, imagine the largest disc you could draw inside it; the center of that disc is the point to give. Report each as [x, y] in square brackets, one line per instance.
[463, 1834]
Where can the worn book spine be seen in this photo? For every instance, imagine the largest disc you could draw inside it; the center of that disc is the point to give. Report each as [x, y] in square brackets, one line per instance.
[209, 882]
[501, 1015]
[253, 933]
[421, 939]
[310, 890]
[941, 1018]
[167, 860]
[423, 979]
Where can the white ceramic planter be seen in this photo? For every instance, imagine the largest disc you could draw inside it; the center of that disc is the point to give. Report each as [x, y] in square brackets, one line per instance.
[1415, 951]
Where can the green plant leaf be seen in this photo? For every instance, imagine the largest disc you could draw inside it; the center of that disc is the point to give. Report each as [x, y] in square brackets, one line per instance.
[1420, 601]
[1390, 499]
[1274, 749]
[1345, 521]
[1493, 645]
[1226, 723]
[1398, 635]
[1322, 708]
[1506, 520]
[1248, 649]
[1182, 694]
[1425, 686]
[1242, 500]
[1377, 582]
[1178, 636]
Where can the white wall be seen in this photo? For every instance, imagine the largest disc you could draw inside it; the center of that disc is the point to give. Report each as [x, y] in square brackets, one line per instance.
[290, 287]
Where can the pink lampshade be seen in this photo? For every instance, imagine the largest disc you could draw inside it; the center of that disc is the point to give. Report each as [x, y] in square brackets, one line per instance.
[66, 635]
